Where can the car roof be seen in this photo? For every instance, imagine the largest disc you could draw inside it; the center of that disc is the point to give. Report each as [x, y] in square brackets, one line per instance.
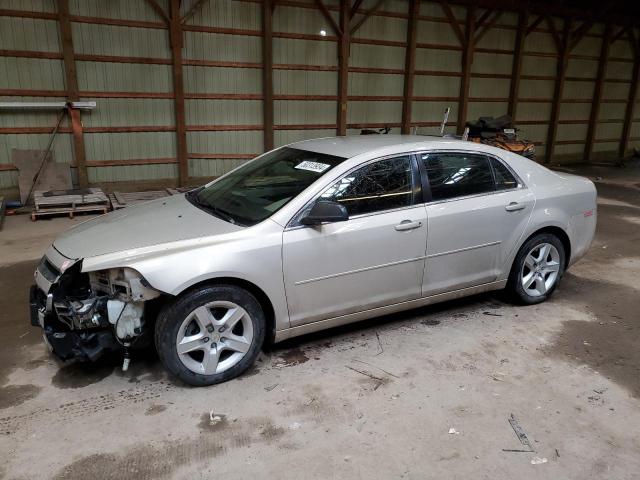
[354, 145]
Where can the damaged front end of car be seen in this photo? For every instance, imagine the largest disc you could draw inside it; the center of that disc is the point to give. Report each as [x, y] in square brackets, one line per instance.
[85, 315]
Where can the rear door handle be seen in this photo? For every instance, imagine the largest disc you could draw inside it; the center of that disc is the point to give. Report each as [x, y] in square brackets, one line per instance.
[407, 225]
[514, 206]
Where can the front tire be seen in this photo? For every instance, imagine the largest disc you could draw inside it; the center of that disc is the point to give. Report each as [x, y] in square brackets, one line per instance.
[210, 334]
[537, 269]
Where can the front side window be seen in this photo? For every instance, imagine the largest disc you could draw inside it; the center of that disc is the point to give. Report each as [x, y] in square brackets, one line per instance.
[454, 175]
[257, 190]
[382, 185]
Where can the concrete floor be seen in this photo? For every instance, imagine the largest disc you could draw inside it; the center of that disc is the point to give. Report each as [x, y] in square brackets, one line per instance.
[373, 400]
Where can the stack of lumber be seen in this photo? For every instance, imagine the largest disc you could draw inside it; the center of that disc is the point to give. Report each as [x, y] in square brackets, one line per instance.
[69, 202]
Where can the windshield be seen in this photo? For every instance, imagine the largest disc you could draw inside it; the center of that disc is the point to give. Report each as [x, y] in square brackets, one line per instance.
[257, 190]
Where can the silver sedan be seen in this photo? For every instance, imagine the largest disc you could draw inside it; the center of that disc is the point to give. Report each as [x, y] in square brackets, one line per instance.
[306, 237]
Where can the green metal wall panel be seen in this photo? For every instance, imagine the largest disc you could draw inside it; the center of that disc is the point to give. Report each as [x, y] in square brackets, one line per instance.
[374, 112]
[291, 112]
[484, 109]
[533, 65]
[228, 14]
[536, 88]
[124, 77]
[202, 167]
[429, 86]
[490, 88]
[572, 132]
[126, 112]
[533, 111]
[120, 9]
[129, 146]
[392, 29]
[30, 5]
[304, 52]
[222, 80]
[217, 47]
[609, 130]
[492, 63]
[225, 142]
[132, 173]
[444, 60]
[31, 73]
[29, 34]
[284, 137]
[436, 32]
[298, 82]
[377, 56]
[223, 112]
[93, 39]
[375, 84]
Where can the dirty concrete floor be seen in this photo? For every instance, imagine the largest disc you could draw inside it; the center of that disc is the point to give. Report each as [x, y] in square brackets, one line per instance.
[372, 400]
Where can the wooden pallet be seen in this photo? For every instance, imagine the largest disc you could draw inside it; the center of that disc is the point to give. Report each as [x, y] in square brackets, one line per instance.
[69, 202]
[121, 200]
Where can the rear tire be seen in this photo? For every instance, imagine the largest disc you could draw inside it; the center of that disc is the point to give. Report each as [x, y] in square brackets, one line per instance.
[537, 269]
[210, 334]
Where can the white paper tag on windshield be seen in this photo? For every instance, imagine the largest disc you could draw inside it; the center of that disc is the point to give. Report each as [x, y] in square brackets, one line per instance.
[312, 166]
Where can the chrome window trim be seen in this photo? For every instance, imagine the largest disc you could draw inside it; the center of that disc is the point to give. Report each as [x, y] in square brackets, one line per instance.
[291, 225]
[521, 184]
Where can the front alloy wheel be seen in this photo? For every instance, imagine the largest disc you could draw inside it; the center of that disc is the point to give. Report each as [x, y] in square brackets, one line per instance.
[210, 334]
[214, 337]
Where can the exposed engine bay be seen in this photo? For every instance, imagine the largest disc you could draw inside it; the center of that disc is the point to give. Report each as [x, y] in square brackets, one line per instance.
[85, 315]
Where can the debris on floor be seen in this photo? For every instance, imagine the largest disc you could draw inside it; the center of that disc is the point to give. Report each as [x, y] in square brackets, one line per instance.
[522, 436]
[453, 431]
[538, 460]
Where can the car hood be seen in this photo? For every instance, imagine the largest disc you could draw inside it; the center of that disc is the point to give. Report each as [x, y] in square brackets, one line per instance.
[156, 222]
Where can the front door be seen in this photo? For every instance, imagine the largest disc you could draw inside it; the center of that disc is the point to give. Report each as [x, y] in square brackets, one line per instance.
[375, 258]
[477, 214]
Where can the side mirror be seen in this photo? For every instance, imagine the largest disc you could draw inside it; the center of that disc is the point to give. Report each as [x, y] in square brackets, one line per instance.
[325, 212]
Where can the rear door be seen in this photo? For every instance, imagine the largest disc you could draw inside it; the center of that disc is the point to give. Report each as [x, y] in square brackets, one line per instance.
[477, 212]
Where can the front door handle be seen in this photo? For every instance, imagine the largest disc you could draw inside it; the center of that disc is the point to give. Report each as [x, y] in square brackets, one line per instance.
[514, 206]
[407, 225]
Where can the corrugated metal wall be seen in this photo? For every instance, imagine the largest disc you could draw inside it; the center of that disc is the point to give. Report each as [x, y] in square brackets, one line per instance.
[123, 59]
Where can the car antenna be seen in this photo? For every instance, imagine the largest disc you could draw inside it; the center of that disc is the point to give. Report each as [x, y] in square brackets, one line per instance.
[445, 119]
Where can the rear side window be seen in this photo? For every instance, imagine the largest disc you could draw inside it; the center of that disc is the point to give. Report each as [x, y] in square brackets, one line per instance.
[382, 185]
[454, 175]
[504, 178]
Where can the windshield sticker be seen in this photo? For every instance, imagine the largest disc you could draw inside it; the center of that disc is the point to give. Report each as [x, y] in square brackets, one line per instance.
[312, 166]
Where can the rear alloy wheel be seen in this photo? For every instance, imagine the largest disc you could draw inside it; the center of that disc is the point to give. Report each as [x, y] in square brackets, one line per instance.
[537, 269]
[211, 334]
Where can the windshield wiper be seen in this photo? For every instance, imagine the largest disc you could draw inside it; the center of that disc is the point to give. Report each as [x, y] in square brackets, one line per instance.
[215, 211]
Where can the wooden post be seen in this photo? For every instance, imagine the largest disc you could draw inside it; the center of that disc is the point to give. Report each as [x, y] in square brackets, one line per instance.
[344, 41]
[267, 73]
[175, 35]
[410, 64]
[561, 69]
[597, 94]
[467, 60]
[71, 78]
[516, 69]
[631, 102]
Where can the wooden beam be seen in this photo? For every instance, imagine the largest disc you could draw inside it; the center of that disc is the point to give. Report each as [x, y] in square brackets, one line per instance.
[410, 64]
[365, 16]
[632, 97]
[534, 24]
[581, 31]
[356, 7]
[554, 31]
[597, 94]
[516, 67]
[267, 73]
[176, 37]
[467, 60]
[344, 46]
[558, 89]
[192, 11]
[159, 10]
[453, 21]
[486, 27]
[327, 14]
[71, 78]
